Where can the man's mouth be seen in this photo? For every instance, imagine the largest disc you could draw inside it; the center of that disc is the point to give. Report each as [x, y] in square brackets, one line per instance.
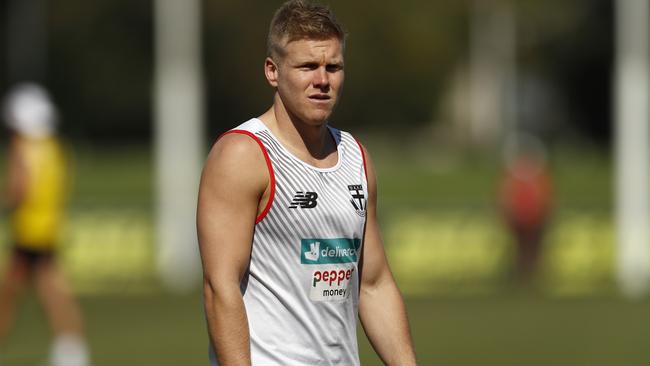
[320, 97]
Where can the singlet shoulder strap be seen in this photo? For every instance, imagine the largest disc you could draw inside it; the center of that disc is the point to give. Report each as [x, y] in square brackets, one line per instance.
[269, 166]
[363, 157]
[353, 143]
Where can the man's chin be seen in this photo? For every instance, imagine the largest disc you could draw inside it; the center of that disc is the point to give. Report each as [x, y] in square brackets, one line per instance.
[321, 117]
[314, 117]
[317, 121]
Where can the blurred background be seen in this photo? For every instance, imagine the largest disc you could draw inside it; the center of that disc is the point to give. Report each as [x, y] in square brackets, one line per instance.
[510, 140]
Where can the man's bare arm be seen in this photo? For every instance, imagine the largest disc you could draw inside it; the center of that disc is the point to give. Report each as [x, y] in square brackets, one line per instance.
[234, 180]
[381, 307]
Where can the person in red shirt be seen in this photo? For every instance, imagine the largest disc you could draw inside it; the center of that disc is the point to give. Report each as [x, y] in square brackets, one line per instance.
[526, 198]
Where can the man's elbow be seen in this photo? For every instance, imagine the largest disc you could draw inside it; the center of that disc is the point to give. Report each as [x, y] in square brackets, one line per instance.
[220, 293]
[381, 285]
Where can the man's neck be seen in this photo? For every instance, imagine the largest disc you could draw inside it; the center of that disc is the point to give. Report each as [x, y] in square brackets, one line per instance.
[312, 143]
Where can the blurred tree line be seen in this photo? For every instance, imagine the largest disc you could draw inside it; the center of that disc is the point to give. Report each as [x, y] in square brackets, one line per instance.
[400, 60]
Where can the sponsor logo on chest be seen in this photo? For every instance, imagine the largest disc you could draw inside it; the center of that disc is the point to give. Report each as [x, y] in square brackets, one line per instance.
[329, 251]
[334, 262]
[331, 284]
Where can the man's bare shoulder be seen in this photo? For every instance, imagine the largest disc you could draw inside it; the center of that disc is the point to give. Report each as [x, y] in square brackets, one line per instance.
[236, 146]
[236, 158]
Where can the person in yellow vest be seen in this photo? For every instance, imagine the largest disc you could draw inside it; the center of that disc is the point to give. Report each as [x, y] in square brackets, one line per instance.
[34, 196]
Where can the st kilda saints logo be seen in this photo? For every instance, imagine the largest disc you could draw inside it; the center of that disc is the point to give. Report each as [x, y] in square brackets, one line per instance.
[304, 200]
[358, 199]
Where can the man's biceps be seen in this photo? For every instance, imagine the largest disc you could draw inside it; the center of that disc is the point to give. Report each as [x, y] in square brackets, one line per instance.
[227, 248]
[230, 259]
[228, 194]
[374, 257]
[229, 185]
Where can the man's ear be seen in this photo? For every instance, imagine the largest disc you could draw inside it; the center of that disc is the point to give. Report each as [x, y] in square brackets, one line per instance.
[271, 72]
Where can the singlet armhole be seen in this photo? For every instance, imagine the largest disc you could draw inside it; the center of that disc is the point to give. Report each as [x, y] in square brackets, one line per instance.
[269, 166]
[363, 157]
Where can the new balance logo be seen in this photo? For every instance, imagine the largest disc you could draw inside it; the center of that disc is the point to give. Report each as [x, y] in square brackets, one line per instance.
[304, 200]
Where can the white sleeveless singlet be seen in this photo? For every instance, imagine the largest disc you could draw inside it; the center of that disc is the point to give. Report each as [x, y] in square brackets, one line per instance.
[301, 290]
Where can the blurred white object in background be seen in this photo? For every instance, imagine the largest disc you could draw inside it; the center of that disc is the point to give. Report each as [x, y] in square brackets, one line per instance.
[29, 111]
[493, 71]
[179, 150]
[632, 83]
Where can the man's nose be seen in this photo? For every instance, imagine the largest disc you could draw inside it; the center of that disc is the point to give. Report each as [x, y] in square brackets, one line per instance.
[321, 78]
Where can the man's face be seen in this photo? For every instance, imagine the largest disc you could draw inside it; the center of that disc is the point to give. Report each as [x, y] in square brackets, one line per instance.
[309, 78]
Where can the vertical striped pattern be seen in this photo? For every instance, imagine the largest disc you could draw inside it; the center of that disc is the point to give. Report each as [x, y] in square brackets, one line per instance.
[292, 322]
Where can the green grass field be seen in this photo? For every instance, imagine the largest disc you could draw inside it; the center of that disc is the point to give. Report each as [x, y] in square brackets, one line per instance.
[501, 329]
[445, 243]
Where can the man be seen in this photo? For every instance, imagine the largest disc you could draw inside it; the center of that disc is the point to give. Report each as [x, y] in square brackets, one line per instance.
[287, 220]
[35, 194]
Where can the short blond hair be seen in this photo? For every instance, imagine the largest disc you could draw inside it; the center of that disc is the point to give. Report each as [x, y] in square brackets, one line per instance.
[300, 19]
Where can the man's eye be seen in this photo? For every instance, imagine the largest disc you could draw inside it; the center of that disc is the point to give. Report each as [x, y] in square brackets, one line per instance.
[334, 68]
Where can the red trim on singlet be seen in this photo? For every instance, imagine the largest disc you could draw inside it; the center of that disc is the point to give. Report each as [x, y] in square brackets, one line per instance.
[262, 214]
[363, 156]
